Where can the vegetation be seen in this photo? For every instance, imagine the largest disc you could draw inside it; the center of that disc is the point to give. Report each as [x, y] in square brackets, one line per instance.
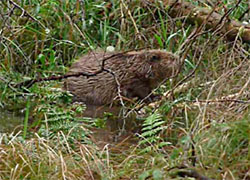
[199, 128]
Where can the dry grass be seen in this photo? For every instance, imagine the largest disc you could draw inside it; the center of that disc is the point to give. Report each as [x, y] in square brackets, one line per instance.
[207, 124]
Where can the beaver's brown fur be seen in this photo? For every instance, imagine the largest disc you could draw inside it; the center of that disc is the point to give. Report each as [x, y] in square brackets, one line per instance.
[137, 72]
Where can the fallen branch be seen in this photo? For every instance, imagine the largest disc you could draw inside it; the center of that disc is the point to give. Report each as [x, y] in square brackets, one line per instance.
[198, 15]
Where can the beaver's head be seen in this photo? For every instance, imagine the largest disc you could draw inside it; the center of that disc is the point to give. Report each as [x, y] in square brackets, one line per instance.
[164, 64]
[157, 65]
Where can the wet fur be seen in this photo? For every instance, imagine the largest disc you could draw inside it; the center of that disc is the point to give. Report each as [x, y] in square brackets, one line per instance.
[138, 72]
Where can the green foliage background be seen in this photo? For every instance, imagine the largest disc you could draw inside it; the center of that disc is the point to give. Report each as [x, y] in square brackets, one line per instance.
[43, 38]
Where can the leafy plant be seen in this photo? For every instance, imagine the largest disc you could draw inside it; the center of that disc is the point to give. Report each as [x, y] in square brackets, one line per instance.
[61, 116]
[151, 128]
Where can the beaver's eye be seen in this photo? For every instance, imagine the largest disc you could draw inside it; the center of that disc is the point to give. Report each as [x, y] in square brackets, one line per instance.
[154, 58]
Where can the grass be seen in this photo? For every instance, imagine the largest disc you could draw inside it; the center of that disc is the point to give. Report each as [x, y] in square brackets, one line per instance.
[201, 126]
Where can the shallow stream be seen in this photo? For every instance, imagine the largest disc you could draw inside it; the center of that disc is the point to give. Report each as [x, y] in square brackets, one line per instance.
[111, 134]
[9, 121]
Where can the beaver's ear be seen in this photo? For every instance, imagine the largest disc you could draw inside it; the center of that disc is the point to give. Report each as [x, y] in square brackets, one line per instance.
[154, 58]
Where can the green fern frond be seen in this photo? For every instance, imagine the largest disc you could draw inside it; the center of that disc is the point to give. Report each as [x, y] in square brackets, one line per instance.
[152, 126]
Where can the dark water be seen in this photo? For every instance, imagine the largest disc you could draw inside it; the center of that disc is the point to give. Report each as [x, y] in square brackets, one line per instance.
[9, 121]
[115, 132]
[118, 133]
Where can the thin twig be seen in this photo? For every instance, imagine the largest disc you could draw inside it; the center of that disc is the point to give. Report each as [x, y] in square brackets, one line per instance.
[244, 13]
[227, 13]
[219, 101]
[29, 83]
[25, 13]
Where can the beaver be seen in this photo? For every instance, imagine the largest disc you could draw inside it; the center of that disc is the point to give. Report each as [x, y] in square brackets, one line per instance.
[132, 74]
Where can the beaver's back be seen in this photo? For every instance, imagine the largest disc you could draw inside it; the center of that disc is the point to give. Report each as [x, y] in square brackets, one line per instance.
[135, 74]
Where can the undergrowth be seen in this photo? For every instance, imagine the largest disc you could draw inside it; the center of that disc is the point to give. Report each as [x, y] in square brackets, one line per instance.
[201, 125]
